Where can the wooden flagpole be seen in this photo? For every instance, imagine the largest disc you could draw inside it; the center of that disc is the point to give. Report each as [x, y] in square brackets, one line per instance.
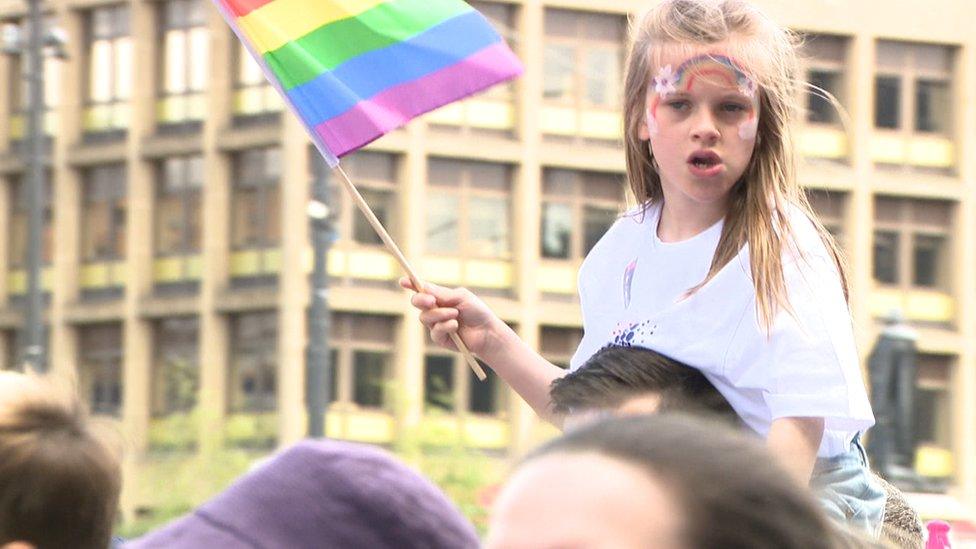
[395, 250]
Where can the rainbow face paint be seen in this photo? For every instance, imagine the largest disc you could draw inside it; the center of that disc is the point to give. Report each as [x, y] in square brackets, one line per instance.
[716, 69]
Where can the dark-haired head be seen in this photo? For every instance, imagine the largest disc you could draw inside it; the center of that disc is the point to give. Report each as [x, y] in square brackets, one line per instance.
[667, 480]
[636, 379]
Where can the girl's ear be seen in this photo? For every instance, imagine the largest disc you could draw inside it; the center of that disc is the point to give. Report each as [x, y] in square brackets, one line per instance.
[643, 133]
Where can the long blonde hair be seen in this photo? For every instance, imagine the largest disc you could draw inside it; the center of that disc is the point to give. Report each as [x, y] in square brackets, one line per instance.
[758, 214]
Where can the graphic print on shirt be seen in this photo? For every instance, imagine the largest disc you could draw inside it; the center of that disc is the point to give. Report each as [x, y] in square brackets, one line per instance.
[628, 334]
[628, 281]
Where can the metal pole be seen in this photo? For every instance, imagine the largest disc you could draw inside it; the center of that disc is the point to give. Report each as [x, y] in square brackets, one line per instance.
[318, 380]
[34, 73]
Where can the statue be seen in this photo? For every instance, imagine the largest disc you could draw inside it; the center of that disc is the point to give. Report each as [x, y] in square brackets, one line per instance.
[892, 373]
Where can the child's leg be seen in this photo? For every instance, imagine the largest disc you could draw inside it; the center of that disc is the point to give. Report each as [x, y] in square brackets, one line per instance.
[848, 491]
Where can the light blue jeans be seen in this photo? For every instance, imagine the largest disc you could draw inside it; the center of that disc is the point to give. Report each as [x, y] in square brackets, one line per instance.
[848, 490]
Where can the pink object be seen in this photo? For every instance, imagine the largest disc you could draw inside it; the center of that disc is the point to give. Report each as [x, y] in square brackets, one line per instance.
[938, 535]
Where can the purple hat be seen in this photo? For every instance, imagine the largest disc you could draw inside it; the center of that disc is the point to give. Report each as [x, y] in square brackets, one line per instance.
[322, 493]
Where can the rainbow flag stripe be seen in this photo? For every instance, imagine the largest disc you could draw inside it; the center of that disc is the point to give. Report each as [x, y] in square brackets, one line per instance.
[353, 70]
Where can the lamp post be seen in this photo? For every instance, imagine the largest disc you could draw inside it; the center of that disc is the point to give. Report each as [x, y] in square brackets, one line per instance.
[33, 72]
[318, 380]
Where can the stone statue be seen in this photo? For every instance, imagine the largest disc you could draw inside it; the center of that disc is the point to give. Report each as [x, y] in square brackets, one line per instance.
[892, 373]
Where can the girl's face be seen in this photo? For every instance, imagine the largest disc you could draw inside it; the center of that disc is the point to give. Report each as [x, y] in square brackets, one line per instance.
[701, 119]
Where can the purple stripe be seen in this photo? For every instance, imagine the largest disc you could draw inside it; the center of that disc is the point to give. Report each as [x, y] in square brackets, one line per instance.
[370, 119]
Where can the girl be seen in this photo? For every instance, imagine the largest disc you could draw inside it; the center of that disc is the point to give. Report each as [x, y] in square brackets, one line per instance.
[722, 265]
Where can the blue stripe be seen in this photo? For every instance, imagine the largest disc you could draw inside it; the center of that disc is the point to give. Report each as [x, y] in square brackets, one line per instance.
[334, 92]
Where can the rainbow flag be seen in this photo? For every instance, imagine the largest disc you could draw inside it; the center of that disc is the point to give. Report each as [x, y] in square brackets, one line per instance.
[353, 70]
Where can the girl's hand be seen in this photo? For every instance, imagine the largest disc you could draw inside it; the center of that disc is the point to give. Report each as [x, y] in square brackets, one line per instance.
[455, 310]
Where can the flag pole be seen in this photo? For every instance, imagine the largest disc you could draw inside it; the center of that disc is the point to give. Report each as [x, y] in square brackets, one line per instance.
[395, 250]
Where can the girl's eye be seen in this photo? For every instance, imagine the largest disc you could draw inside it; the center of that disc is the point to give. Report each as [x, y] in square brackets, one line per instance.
[679, 105]
[733, 108]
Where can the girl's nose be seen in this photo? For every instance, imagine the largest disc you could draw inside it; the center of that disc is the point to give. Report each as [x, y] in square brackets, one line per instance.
[704, 129]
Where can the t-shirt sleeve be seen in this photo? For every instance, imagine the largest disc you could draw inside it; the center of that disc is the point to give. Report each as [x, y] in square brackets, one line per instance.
[813, 369]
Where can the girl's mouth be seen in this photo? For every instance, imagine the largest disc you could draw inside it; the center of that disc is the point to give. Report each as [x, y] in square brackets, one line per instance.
[705, 163]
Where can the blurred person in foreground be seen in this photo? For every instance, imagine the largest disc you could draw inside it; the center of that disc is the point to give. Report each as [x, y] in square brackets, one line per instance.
[666, 481]
[59, 480]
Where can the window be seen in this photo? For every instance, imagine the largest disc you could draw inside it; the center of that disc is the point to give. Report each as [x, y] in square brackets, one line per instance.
[558, 344]
[110, 65]
[583, 58]
[18, 86]
[19, 220]
[887, 102]
[103, 215]
[186, 61]
[920, 73]
[911, 243]
[824, 60]
[375, 175]
[933, 418]
[829, 208]
[176, 375]
[100, 348]
[254, 96]
[451, 386]
[254, 362]
[577, 208]
[178, 201]
[362, 356]
[886, 257]
[255, 204]
[468, 209]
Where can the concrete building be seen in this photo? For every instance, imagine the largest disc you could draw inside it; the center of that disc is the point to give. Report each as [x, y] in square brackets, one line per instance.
[177, 251]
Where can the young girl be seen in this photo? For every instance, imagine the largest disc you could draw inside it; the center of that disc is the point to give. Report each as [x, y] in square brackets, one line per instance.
[722, 265]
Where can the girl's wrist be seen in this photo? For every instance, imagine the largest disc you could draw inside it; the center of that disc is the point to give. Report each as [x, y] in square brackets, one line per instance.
[500, 339]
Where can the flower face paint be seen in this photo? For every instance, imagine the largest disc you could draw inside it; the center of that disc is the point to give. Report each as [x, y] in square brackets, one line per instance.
[716, 70]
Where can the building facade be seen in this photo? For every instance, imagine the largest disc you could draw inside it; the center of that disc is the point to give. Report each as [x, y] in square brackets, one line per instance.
[177, 252]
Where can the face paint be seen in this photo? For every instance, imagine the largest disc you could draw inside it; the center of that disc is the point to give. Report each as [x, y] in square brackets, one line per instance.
[718, 67]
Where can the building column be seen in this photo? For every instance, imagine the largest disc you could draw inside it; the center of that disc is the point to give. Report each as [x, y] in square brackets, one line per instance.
[526, 198]
[293, 282]
[215, 255]
[964, 251]
[859, 222]
[411, 232]
[66, 187]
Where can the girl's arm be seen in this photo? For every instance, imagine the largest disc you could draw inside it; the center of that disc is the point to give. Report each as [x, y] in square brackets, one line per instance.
[794, 441]
[446, 310]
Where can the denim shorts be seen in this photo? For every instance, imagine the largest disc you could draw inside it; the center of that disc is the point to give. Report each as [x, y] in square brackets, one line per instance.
[849, 491]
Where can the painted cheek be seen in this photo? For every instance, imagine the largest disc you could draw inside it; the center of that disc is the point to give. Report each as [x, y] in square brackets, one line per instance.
[651, 121]
[749, 128]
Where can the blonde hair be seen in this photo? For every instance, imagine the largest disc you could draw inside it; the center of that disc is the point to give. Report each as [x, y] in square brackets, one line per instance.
[758, 214]
[59, 481]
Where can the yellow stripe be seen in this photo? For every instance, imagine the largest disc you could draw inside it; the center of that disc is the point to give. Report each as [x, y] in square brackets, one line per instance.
[277, 23]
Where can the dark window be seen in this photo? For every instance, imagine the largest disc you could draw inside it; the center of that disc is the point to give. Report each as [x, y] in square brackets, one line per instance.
[932, 104]
[103, 215]
[926, 256]
[254, 364]
[178, 202]
[819, 108]
[369, 377]
[177, 375]
[886, 257]
[483, 395]
[101, 367]
[439, 382]
[597, 221]
[887, 102]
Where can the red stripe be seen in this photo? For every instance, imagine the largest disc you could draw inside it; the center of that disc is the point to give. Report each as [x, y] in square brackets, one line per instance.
[241, 8]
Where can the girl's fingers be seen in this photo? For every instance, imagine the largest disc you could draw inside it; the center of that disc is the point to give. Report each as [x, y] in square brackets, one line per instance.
[423, 301]
[434, 316]
[441, 332]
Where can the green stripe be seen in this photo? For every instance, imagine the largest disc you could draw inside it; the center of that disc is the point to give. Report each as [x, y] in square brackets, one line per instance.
[330, 45]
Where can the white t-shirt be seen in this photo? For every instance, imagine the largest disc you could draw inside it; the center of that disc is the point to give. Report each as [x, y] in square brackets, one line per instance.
[631, 287]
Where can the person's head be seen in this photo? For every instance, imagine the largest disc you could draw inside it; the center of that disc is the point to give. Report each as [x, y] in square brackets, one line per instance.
[323, 493]
[710, 102]
[661, 481]
[59, 482]
[635, 380]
